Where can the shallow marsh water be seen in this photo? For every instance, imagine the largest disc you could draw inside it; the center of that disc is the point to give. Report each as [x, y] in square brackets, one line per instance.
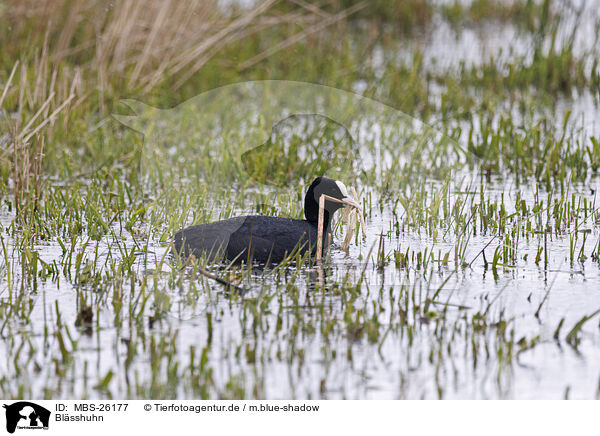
[284, 338]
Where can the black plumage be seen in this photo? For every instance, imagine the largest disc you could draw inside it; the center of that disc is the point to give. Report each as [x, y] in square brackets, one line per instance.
[264, 239]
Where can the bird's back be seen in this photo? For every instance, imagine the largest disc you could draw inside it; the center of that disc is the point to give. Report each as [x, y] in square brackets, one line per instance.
[209, 239]
[260, 238]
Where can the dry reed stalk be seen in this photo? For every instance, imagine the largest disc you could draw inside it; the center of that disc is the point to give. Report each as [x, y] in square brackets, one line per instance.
[312, 8]
[27, 137]
[28, 151]
[148, 42]
[8, 82]
[320, 226]
[349, 210]
[328, 21]
[363, 226]
[26, 174]
[349, 218]
[235, 26]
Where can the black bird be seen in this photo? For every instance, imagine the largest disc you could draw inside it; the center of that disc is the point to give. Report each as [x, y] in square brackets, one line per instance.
[265, 239]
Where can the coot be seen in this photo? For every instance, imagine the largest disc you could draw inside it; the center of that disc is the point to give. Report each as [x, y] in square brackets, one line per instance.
[265, 239]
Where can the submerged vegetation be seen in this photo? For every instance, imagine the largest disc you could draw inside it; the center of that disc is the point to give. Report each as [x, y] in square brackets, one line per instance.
[479, 275]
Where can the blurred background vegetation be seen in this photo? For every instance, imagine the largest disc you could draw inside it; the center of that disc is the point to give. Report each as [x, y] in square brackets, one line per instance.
[65, 64]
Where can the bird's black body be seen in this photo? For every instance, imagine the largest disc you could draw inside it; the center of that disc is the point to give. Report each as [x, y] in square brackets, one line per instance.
[263, 239]
[260, 238]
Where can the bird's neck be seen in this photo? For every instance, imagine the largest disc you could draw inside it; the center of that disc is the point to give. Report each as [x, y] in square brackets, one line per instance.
[326, 228]
[326, 221]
